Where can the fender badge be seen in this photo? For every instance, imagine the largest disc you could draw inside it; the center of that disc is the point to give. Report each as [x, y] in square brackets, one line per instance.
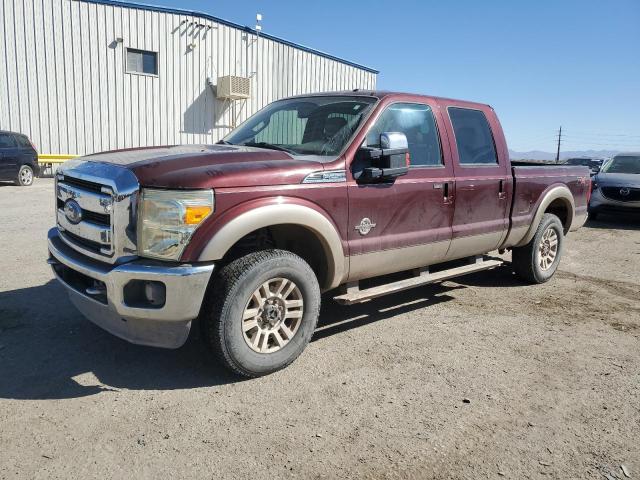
[365, 226]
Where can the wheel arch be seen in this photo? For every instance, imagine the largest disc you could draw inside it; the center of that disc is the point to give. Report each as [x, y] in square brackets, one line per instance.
[294, 227]
[557, 200]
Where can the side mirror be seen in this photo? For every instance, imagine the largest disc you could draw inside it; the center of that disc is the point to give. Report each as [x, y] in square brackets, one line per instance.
[389, 161]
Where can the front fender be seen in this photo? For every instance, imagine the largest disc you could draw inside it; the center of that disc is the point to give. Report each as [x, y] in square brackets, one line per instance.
[241, 221]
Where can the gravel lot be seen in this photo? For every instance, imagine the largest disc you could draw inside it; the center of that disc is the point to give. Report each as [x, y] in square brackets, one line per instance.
[481, 377]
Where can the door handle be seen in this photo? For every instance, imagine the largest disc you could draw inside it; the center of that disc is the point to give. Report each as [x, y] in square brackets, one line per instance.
[448, 193]
[501, 193]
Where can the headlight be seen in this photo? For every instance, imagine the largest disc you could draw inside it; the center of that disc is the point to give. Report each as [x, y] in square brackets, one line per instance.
[168, 218]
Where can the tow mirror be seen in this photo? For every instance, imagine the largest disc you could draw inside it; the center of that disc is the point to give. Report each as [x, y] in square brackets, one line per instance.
[389, 161]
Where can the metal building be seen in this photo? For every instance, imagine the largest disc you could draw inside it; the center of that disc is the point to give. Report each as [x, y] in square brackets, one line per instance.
[82, 76]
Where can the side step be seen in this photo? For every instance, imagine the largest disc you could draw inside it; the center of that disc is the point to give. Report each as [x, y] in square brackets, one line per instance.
[422, 277]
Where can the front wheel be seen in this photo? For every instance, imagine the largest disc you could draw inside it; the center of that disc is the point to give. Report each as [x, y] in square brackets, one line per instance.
[25, 176]
[261, 312]
[538, 260]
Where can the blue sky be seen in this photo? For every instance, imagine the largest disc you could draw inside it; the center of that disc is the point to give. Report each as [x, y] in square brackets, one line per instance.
[539, 63]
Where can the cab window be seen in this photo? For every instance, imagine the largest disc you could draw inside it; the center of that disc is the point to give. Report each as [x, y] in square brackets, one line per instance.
[473, 137]
[416, 121]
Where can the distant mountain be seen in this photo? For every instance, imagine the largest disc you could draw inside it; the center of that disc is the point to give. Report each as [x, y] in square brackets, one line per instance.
[540, 155]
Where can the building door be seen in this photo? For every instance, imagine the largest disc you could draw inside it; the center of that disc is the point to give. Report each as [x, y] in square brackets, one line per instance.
[406, 223]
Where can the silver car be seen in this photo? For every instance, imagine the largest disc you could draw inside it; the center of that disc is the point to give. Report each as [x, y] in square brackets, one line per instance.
[616, 188]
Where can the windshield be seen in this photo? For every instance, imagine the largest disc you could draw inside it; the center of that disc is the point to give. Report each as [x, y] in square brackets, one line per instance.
[623, 164]
[304, 126]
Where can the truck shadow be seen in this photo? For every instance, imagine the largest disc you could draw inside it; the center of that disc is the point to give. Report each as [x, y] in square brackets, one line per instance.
[49, 351]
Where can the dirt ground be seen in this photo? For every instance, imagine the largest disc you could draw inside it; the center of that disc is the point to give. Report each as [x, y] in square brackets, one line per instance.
[482, 377]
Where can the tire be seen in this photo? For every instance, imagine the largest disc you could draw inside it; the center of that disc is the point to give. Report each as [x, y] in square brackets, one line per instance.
[531, 262]
[593, 215]
[237, 292]
[25, 176]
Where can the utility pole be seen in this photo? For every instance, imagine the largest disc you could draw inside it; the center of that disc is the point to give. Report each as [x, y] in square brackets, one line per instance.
[559, 140]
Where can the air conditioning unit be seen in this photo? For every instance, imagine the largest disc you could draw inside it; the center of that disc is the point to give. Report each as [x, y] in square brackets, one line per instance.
[231, 87]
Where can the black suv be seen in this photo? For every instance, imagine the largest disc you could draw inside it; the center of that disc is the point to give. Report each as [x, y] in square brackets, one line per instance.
[18, 158]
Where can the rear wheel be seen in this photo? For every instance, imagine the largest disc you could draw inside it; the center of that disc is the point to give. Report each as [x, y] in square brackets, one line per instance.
[25, 176]
[538, 260]
[261, 312]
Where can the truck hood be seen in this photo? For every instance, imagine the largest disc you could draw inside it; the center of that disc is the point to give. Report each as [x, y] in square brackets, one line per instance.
[209, 166]
[618, 179]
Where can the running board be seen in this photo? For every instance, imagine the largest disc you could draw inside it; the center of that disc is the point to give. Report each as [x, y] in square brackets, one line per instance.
[422, 277]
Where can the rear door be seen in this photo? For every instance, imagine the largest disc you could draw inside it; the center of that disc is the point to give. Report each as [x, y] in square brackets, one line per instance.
[483, 180]
[406, 223]
[9, 153]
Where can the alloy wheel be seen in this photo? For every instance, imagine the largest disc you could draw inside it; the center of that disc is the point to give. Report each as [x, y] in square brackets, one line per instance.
[272, 315]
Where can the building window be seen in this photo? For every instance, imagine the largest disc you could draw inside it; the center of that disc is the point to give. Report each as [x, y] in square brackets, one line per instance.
[142, 61]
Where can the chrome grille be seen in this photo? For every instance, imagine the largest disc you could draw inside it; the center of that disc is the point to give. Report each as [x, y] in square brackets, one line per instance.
[106, 196]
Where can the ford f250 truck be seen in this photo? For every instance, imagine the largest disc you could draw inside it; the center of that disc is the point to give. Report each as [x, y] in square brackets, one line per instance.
[316, 193]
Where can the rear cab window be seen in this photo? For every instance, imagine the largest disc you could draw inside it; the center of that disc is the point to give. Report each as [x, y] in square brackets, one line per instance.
[474, 139]
[416, 121]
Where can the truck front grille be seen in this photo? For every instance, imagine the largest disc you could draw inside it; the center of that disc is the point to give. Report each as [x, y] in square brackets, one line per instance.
[622, 194]
[97, 215]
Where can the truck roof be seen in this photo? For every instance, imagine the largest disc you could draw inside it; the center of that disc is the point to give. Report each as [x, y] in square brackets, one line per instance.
[385, 93]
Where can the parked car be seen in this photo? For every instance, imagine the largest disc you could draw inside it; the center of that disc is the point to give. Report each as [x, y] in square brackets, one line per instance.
[594, 164]
[18, 158]
[313, 193]
[616, 188]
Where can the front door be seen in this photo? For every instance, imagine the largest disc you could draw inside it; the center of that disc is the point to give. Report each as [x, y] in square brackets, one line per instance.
[483, 183]
[406, 223]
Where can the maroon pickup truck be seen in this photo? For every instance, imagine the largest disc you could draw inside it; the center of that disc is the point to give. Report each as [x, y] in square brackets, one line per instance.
[313, 193]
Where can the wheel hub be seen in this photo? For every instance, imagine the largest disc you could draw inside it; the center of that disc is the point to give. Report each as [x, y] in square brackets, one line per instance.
[272, 312]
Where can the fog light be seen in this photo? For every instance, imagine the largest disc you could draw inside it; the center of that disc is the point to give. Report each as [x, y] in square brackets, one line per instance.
[145, 294]
[154, 292]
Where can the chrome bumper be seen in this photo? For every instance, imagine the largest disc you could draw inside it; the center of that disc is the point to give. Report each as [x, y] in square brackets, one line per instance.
[164, 326]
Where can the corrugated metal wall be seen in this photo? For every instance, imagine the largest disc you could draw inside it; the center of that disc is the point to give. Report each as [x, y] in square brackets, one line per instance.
[63, 80]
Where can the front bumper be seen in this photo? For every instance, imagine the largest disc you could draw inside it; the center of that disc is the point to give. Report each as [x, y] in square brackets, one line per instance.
[166, 325]
[599, 203]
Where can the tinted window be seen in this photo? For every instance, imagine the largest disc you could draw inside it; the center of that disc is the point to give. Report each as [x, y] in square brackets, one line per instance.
[7, 141]
[142, 61]
[417, 123]
[473, 137]
[23, 141]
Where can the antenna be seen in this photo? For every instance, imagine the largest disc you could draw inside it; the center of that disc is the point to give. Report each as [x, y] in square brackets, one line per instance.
[258, 25]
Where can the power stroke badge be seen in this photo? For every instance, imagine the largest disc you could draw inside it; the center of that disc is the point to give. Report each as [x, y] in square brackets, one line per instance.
[365, 226]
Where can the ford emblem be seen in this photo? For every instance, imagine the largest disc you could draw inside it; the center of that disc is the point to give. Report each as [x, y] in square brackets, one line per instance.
[73, 212]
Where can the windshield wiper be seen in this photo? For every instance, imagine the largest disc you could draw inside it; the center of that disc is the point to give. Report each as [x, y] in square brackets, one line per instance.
[224, 142]
[270, 146]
